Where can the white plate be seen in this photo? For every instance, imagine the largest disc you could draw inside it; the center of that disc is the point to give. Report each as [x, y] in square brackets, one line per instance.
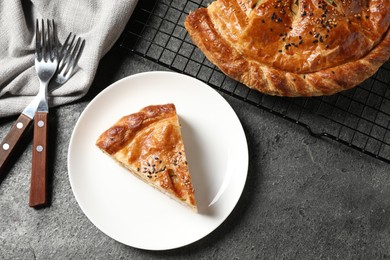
[127, 209]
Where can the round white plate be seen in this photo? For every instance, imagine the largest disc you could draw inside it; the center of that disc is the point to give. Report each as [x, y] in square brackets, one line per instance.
[132, 212]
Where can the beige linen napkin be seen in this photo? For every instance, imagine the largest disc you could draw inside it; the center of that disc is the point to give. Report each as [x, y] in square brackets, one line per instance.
[99, 22]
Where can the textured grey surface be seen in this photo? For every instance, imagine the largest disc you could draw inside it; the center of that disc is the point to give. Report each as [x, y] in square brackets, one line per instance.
[305, 198]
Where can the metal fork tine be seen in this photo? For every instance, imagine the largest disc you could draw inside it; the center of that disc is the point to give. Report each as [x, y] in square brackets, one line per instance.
[72, 55]
[70, 46]
[67, 47]
[51, 40]
[55, 38]
[37, 40]
[64, 46]
[49, 43]
[43, 40]
[78, 55]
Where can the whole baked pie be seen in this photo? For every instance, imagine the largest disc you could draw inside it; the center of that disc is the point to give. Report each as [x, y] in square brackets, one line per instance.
[294, 47]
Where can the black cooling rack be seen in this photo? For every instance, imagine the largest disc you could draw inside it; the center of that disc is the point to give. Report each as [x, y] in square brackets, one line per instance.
[359, 118]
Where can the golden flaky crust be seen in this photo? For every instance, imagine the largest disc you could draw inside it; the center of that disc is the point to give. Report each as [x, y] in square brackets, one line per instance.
[294, 48]
[150, 145]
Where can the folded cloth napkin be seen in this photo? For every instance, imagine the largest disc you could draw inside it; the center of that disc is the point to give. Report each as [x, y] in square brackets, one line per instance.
[99, 22]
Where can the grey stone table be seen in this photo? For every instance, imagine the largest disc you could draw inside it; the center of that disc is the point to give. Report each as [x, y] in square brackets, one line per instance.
[305, 198]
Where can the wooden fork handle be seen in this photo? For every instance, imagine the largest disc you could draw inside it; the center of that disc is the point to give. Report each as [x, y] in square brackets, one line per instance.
[38, 185]
[11, 141]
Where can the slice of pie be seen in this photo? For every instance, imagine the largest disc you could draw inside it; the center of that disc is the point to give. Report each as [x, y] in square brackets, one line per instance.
[149, 144]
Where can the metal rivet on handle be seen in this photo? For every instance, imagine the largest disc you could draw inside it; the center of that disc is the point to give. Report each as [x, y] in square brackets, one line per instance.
[6, 146]
[40, 123]
[19, 125]
[39, 148]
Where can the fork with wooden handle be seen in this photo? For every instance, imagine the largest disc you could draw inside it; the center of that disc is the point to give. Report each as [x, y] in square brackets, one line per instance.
[46, 63]
[69, 55]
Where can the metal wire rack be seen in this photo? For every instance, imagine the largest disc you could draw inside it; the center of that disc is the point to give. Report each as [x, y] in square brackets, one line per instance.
[359, 118]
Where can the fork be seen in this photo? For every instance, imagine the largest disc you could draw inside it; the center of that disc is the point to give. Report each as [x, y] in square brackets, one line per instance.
[69, 56]
[46, 63]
